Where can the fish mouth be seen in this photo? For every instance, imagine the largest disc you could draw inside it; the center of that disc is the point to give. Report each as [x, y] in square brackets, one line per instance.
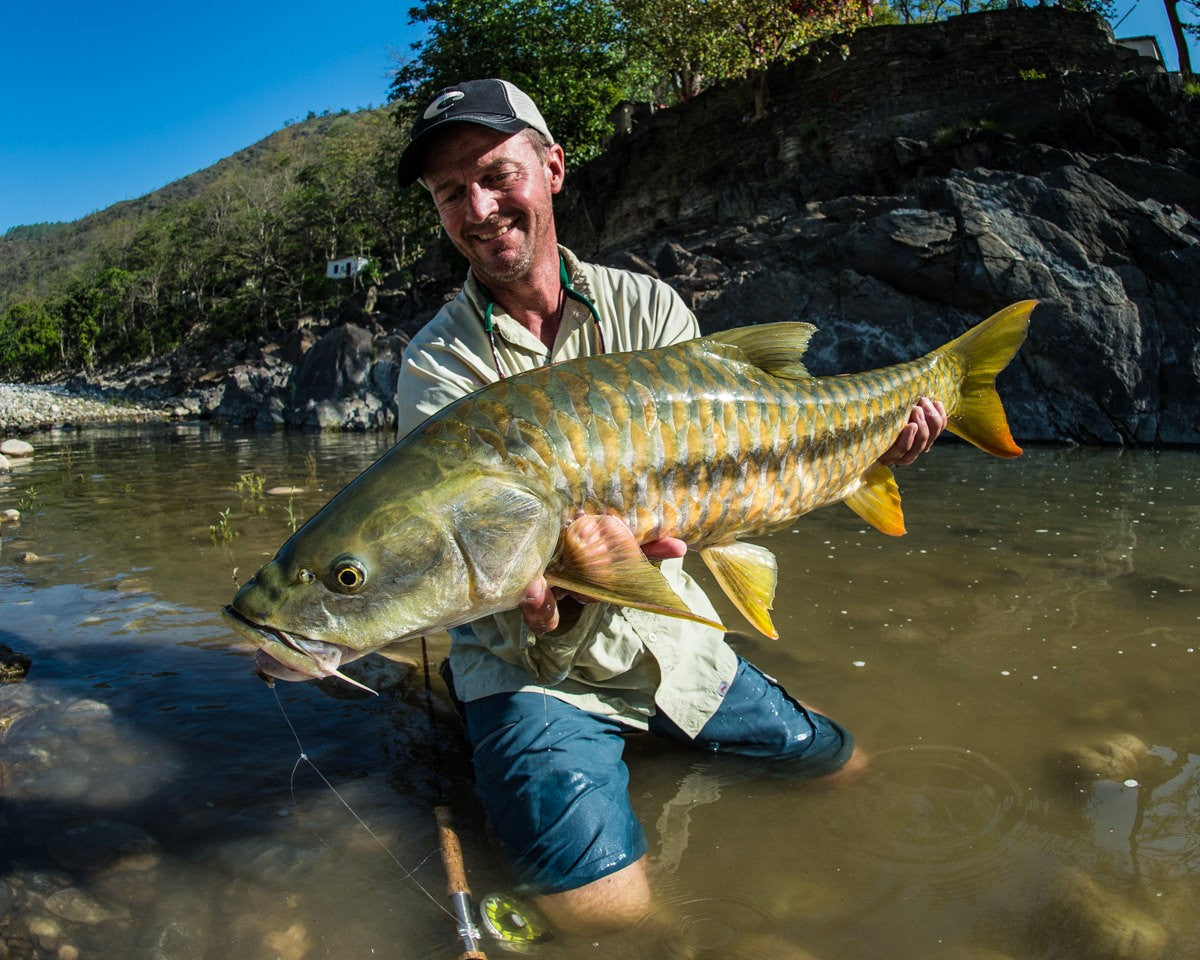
[287, 656]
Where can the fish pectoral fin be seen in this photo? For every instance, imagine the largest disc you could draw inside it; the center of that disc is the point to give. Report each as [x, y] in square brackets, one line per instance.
[878, 501]
[600, 558]
[748, 574]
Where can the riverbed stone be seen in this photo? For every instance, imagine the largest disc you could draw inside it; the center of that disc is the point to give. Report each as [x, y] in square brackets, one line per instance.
[4, 464]
[1087, 919]
[16, 448]
[10, 515]
[1117, 758]
[86, 712]
[79, 906]
[46, 931]
[14, 667]
[179, 927]
[103, 846]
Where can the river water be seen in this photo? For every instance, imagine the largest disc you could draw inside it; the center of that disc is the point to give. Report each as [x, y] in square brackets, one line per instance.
[1021, 669]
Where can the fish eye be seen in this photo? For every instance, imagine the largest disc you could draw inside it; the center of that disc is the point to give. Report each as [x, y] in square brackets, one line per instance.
[349, 575]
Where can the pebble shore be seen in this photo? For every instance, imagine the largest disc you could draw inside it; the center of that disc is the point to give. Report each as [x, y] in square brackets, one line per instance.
[28, 407]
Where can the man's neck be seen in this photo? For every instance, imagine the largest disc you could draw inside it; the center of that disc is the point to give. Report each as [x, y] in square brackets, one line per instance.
[534, 301]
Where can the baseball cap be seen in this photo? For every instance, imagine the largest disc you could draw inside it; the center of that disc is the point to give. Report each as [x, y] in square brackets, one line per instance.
[492, 103]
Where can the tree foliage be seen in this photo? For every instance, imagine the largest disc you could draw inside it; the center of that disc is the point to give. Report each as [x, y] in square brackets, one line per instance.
[695, 43]
[568, 55]
[925, 11]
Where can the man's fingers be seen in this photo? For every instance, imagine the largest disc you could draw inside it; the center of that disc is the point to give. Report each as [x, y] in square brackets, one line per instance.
[668, 548]
[539, 607]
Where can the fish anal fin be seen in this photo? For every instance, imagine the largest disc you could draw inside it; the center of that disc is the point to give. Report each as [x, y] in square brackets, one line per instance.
[600, 558]
[748, 574]
[877, 501]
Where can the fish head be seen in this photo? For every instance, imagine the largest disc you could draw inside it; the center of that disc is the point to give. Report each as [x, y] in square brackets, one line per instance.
[395, 558]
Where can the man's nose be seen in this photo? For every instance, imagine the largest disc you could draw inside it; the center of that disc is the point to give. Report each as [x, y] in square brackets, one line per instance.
[482, 202]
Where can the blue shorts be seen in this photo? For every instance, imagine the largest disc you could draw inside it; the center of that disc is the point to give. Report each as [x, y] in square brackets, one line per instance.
[555, 789]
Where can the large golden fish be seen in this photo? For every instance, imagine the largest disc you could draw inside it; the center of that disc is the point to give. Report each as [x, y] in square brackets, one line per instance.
[569, 468]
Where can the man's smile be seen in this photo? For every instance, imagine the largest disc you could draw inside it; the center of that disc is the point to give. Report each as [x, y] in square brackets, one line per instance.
[495, 234]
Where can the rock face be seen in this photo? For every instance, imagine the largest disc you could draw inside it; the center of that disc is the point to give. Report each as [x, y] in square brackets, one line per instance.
[896, 191]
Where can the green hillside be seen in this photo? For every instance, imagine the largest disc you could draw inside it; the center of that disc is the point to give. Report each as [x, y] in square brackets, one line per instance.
[229, 251]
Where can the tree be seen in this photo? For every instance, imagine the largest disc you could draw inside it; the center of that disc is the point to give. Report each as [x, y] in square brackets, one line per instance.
[1180, 31]
[698, 42]
[568, 55]
[30, 339]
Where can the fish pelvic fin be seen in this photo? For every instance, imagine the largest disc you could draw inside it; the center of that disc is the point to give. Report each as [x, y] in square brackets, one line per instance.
[984, 351]
[878, 501]
[773, 347]
[748, 574]
[600, 558]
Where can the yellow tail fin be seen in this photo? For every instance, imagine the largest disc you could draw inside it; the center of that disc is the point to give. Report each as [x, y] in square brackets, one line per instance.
[984, 351]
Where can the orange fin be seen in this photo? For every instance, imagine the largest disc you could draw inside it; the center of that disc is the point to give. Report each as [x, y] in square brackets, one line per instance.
[748, 574]
[599, 557]
[878, 501]
[985, 350]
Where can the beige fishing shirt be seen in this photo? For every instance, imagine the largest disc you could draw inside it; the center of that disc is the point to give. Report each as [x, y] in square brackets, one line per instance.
[630, 662]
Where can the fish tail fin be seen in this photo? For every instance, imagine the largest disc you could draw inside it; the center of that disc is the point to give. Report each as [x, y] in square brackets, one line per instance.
[984, 351]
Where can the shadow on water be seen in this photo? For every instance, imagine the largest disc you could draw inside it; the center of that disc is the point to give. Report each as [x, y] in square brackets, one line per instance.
[1020, 668]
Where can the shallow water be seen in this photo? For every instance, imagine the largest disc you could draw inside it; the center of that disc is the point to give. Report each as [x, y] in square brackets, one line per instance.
[156, 802]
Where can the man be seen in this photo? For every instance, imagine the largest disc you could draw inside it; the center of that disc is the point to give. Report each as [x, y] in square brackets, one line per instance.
[548, 759]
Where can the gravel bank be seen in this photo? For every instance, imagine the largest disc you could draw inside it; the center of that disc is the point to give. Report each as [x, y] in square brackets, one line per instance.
[27, 407]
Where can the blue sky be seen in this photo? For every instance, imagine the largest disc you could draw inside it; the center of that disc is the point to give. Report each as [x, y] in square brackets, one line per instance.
[105, 102]
[101, 102]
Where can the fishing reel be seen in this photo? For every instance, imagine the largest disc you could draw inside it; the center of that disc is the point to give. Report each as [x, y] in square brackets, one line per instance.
[515, 926]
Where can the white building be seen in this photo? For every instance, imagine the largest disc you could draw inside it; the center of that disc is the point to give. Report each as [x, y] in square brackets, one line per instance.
[345, 268]
[1146, 46]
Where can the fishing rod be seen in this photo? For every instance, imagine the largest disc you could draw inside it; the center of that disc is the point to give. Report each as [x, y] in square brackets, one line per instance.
[452, 858]
[511, 925]
[456, 885]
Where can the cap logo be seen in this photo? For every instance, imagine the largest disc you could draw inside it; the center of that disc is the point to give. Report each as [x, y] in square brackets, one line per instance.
[442, 104]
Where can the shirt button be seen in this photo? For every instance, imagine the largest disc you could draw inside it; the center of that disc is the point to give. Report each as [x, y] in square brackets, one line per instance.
[652, 637]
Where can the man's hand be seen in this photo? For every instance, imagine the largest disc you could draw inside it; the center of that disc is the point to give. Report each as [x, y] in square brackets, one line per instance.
[539, 605]
[925, 424]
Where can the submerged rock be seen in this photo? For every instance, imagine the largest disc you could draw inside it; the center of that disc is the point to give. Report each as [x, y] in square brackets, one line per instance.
[78, 906]
[16, 448]
[1117, 758]
[14, 666]
[103, 846]
[1088, 920]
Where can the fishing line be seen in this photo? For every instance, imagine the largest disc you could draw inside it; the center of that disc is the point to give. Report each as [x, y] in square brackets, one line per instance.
[406, 874]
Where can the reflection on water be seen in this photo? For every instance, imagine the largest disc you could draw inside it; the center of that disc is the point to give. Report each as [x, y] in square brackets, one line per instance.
[1021, 668]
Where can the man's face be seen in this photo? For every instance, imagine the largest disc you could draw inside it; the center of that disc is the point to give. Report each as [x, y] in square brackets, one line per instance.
[493, 193]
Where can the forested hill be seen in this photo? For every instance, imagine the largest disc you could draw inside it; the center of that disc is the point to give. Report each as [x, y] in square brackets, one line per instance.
[42, 258]
[229, 251]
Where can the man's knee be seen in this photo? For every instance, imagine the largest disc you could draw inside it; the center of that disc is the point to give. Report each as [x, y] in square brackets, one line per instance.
[616, 901]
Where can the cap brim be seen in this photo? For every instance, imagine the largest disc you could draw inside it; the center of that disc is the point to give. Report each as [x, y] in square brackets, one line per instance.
[413, 157]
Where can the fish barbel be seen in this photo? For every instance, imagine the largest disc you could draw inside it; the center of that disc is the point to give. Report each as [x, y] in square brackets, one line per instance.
[567, 469]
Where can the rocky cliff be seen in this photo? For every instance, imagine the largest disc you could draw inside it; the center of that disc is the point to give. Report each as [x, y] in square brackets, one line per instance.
[897, 190]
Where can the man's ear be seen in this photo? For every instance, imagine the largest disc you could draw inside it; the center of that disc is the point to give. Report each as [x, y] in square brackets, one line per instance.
[556, 166]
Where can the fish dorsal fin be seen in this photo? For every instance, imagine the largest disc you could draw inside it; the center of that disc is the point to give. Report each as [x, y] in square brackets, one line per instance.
[878, 501]
[748, 574]
[600, 558]
[773, 347]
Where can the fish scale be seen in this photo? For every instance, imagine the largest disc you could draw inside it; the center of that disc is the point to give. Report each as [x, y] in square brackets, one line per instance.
[786, 447]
